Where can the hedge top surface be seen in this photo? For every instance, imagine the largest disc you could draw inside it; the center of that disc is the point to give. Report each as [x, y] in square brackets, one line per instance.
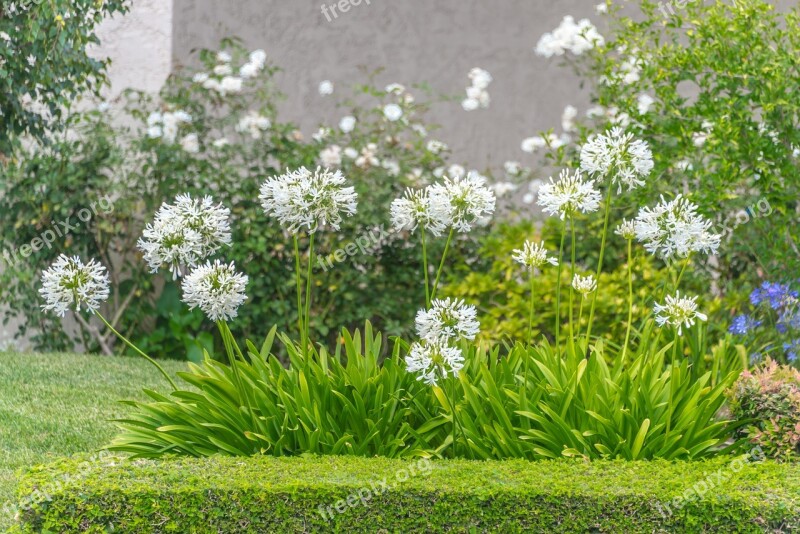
[267, 494]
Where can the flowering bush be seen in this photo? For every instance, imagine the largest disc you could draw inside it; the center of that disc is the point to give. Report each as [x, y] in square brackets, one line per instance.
[766, 402]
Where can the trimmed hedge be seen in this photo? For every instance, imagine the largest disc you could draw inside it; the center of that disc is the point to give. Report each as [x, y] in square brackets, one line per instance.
[337, 493]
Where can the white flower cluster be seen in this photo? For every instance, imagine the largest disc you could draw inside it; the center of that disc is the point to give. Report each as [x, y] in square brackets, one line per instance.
[185, 233]
[678, 312]
[569, 195]
[222, 79]
[435, 356]
[551, 141]
[253, 124]
[166, 125]
[675, 228]
[417, 208]
[216, 288]
[477, 94]
[584, 284]
[470, 201]
[570, 36]
[533, 256]
[617, 154]
[626, 229]
[68, 281]
[313, 200]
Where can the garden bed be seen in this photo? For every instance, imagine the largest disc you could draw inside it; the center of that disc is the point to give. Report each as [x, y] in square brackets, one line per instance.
[335, 493]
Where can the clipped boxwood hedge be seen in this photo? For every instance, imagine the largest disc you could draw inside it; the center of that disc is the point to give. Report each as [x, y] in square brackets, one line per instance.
[335, 493]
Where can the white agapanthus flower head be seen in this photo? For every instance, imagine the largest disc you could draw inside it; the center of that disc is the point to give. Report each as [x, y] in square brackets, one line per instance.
[448, 320]
[674, 228]
[584, 284]
[68, 281]
[618, 155]
[626, 229]
[416, 208]
[311, 200]
[434, 361]
[184, 233]
[216, 288]
[471, 202]
[678, 312]
[568, 195]
[533, 256]
[569, 36]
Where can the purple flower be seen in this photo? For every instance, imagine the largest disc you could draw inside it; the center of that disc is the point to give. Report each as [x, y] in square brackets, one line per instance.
[791, 349]
[776, 294]
[742, 324]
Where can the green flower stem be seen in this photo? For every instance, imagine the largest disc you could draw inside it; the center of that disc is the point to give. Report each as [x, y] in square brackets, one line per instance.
[441, 263]
[571, 289]
[530, 313]
[308, 296]
[630, 301]
[558, 283]
[300, 326]
[580, 314]
[425, 270]
[683, 270]
[599, 264]
[138, 351]
[231, 345]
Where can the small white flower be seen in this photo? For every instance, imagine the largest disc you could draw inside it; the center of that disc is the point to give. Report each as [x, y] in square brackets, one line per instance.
[395, 88]
[253, 124]
[618, 155]
[446, 320]
[313, 200]
[223, 70]
[68, 281]
[456, 171]
[436, 147]
[190, 144]
[331, 156]
[601, 9]
[325, 88]
[470, 104]
[184, 233]
[347, 124]
[569, 36]
[644, 103]
[417, 208]
[223, 57]
[503, 188]
[512, 168]
[216, 288]
[678, 312]
[434, 361]
[258, 57]
[392, 112]
[568, 117]
[200, 77]
[230, 85]
[584, 284]
[480, 78]
[570, 194]
[221, 142]
[351, 152]
[368, 156]
[675, 228]
[154, 132]
[533, 256]
[471, 202]
[626, 229]
[249, 70]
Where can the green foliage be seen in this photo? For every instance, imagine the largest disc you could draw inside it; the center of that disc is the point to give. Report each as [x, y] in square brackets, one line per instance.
[500, 287]
[302, 495]
[44, 65]
[767, 401]
[61, 404]
[532, 402]
[724, 125]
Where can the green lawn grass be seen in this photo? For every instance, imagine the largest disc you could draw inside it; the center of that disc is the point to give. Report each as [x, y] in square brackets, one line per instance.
[59, 404]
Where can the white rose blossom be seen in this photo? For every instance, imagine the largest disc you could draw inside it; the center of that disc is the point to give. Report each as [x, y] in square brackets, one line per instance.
[216, 288]
[68, 281]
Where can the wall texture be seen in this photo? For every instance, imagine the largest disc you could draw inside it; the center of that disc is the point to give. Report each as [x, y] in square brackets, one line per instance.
[415, 41]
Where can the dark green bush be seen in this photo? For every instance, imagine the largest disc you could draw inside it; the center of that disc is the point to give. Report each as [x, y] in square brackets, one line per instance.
[264, 494]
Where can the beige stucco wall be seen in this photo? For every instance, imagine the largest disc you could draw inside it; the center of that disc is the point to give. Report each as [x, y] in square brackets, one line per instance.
[415, 41]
